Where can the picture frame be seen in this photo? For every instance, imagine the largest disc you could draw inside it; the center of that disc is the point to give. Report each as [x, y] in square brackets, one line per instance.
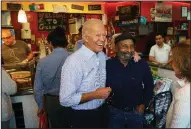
[188, 16]
[182, 38]
[184, 11]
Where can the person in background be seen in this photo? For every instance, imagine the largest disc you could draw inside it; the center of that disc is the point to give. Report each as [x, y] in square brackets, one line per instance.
[168, 40]
[131, 83]
[14, 51]
[160, 52]
[8, 87]
[83, 79]
[47, 80]
[80, 42]
[178, 115]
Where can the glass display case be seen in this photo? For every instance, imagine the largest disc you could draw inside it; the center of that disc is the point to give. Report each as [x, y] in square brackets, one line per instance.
[22, 73]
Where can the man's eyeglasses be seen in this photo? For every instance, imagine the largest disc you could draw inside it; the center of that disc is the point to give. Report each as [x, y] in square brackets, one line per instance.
[3, 38]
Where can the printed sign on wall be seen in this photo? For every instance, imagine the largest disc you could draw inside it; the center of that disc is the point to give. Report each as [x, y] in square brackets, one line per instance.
[94, 7]
[48, 21]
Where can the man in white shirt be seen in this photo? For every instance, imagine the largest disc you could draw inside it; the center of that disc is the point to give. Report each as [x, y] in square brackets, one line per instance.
[160, 52]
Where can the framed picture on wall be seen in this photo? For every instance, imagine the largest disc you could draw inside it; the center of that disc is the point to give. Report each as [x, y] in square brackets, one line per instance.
[182, 38]
[184, 12]
[188, 16]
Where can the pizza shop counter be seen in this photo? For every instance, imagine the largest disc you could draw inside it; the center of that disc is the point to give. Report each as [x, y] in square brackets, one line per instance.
[165, 71]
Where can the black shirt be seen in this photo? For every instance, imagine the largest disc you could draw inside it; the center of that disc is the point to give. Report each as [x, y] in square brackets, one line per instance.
[131, 85]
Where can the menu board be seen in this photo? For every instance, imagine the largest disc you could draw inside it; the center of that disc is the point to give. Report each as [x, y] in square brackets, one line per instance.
[48, 21]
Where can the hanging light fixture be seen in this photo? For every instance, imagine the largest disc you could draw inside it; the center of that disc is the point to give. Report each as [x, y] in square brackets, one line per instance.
[22, 17]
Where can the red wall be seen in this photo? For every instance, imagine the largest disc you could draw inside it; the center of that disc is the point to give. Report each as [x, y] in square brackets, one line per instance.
[145, 11]
[176, 9]
[33, 24]
[110, 8]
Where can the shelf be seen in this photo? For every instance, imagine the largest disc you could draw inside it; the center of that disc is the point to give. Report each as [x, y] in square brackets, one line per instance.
[182, 30]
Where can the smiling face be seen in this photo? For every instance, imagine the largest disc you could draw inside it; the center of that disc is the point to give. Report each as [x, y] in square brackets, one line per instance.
[125, 46]
[94, 36]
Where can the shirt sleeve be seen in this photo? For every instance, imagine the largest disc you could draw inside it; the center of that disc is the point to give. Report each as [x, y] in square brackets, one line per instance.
[71, 78]
[27, 49]
[152, 53]
[181, 110]
[8, 85]
[38, 87]
[148, 85]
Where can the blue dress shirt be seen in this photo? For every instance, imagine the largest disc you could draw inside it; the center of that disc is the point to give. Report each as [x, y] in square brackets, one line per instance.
[84, 71]
[48, 71]
[78, 44]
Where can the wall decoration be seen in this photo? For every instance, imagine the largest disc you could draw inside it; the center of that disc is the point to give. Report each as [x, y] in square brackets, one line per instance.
[163, 12]
[77, 7]
[94, 7]
[60, 8]
[131, 10]
[152, 14]
[13, 7]
[6, 18]
[127, 22]
[48, 21]
[34, 7]
[184, 11]
[188, 15]
[29, 17]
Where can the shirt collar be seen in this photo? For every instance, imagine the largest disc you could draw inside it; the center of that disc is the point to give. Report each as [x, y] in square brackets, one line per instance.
[162, 45]
[131, 61]
[88, 53]
[58, 49]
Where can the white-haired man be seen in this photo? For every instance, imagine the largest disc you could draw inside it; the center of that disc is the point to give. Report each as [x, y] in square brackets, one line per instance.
[83, 79]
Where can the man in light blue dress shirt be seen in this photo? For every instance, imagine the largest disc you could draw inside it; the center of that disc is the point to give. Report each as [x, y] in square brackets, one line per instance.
[83, 78]
[47, 80]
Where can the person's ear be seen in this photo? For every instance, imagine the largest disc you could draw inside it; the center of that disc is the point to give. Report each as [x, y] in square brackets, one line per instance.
[13, 36]
[85, 38]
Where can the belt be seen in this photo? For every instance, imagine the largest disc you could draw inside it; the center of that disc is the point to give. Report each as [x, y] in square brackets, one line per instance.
[124, 109]
[52, 95]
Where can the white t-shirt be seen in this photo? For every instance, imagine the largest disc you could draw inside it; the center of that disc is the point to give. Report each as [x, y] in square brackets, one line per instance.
[160, 54]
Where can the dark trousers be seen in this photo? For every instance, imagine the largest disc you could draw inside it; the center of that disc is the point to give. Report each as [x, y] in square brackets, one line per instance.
[121, 119]
[5, 124]
[96, 118]
[58, 115]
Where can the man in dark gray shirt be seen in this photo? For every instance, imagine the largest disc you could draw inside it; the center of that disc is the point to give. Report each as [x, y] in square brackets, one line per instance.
[47, 79]
[14, 51]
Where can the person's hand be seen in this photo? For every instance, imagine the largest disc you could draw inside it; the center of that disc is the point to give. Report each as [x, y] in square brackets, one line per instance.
[162, 64]
[102, 93]
[140, 109]
[40, 112]
[25, 61]
[136, 57]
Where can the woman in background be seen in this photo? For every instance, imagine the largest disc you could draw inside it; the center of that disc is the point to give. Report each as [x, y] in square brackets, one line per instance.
[178, 115]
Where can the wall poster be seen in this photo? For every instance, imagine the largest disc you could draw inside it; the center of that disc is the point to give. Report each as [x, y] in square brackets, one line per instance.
[163, 12]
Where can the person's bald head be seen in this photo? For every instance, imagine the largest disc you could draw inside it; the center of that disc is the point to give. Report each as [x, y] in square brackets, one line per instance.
[94, 34]
[7, 37]
[90, 25]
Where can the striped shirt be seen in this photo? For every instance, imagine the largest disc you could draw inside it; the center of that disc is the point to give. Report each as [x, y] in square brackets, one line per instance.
[84, 71]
